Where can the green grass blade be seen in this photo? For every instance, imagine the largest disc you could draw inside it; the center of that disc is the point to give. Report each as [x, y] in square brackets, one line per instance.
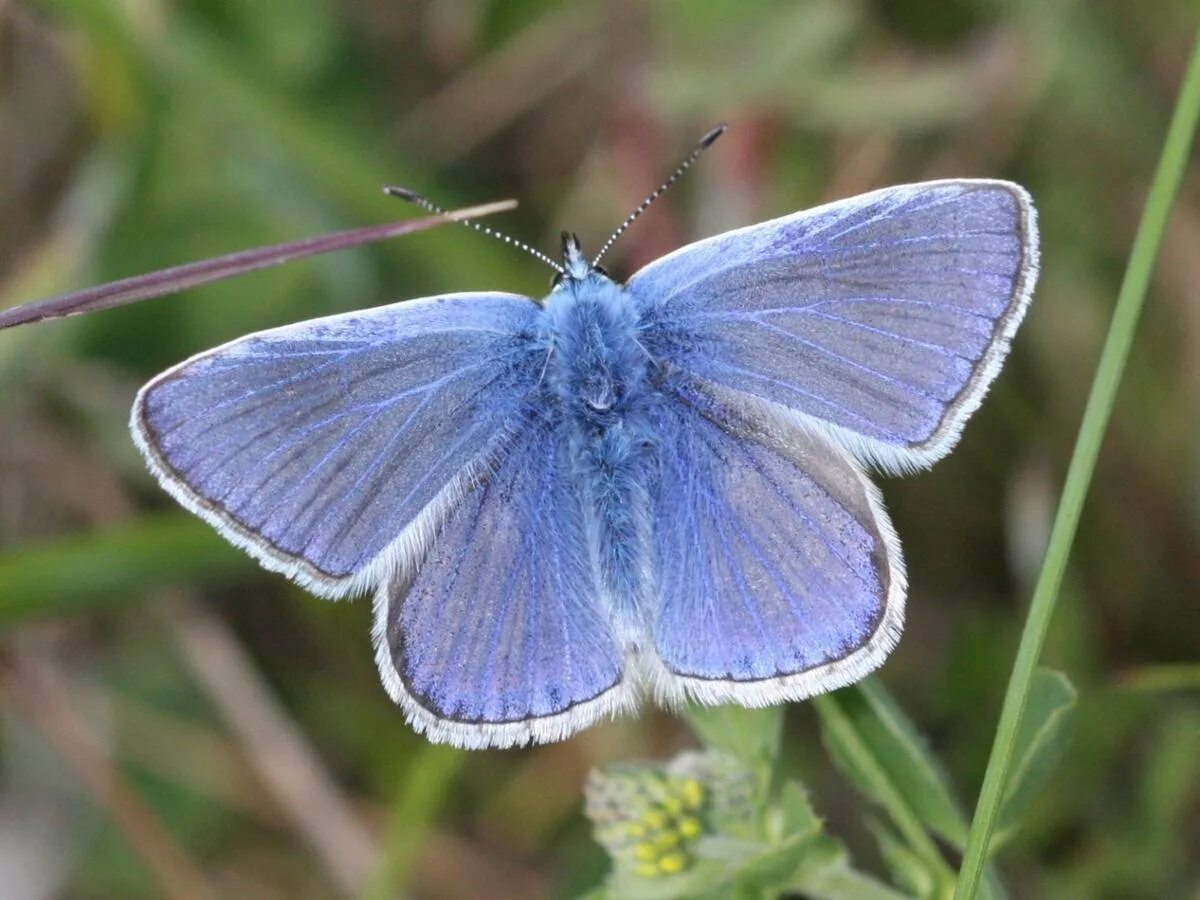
[421, 794]
[1083, 462]
[81, 573]
[1161, 678]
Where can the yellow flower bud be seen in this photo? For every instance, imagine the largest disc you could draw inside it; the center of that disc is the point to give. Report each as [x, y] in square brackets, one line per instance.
[672, 863]
[655, 819]
[689, 828]
[646, 870]
[668, 840]
[693, 793]
[645, 852]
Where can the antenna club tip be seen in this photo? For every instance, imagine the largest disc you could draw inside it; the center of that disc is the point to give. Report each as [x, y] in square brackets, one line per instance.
[710, 138]
[401, 192]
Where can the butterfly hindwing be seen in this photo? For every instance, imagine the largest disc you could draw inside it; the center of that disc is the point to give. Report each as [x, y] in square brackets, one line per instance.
[879, 320]
[501, 638]
[329, 449]
[779, 575]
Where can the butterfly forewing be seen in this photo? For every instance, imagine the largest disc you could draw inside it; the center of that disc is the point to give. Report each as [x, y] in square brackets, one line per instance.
[880, 319]
[330, 448]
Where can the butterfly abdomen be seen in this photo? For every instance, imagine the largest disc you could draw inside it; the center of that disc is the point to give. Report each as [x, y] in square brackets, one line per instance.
[599, 379]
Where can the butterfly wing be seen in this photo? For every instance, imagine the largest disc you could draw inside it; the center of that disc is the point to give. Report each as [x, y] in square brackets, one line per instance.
[879, 321]
[779, 575]
[500, 638]
[330, 449]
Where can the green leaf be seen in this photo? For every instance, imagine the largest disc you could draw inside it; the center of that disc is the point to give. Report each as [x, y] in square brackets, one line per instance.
[778, 865]
[881, 753]
[858, 755]
[697, 882]
[902, 755]
[848, 884]
[771, 870]
[826, 874]
[908, 870]
[1038, 747]
[759, 869]
[797, 815]
[750, 735]
[706, 879]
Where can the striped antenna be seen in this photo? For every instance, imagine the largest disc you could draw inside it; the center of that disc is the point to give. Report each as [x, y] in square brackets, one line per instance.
[705, 142]
[430, 206]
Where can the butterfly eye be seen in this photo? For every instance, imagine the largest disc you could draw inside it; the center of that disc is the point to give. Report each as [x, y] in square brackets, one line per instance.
[600, 270]
[556, 280]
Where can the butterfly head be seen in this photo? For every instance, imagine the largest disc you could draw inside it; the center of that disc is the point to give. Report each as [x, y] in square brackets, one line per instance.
[575, 266]
[574, 263]
[575, 269]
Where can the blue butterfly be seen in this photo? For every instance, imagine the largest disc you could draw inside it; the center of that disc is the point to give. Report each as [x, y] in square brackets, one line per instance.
[619, 492]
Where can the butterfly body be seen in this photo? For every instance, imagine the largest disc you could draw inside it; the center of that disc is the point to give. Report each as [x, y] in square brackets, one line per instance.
[653, 489]
[599, 383]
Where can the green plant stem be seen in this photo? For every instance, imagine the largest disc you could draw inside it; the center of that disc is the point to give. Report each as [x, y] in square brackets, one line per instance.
[1161, 678]
[421, 794]
[1083, 462]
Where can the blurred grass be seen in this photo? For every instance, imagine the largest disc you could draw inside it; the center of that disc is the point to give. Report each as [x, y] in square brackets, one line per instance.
[197, 127]
[428, 780]
[1177, 149]
[83, 572]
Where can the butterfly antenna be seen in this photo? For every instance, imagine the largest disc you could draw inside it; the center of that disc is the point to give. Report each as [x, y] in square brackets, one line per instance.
[430, 206]
[705, 142]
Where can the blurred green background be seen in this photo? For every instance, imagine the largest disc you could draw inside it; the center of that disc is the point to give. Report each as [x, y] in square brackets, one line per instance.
[236, 726]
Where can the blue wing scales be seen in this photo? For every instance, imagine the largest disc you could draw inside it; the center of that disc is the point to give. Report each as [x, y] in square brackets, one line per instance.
[501, 637]
[879, 320]
[329, 448]
[778, 572]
